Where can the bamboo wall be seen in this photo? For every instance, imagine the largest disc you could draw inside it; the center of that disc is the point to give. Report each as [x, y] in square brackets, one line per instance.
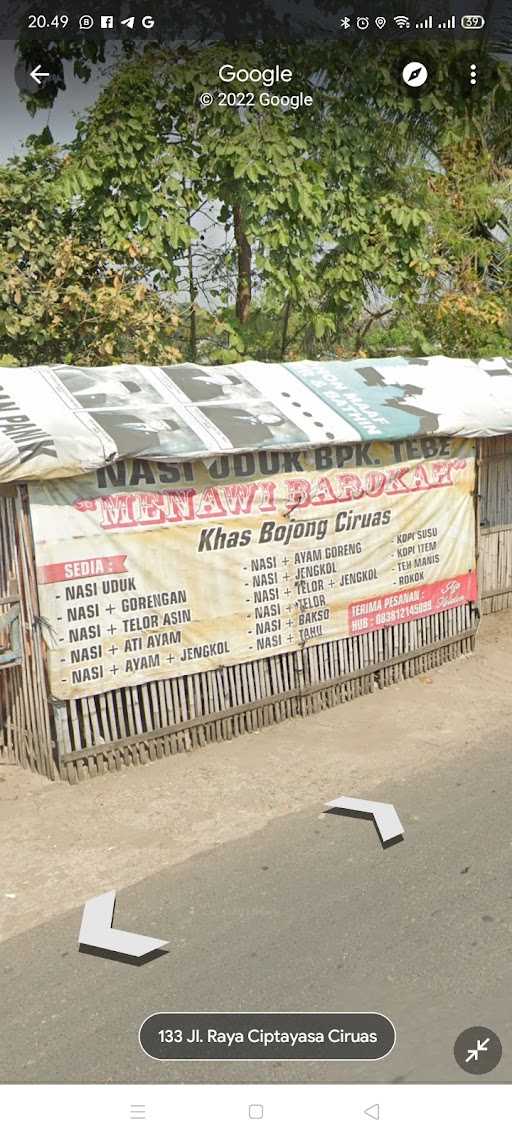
[495, 560]
[25, 733]
[137, 725]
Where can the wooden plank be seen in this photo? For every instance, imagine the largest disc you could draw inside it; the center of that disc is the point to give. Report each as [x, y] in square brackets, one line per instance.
[75, 725]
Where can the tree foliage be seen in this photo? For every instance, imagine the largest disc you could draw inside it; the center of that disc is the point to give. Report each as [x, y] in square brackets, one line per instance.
[373, 220]
[64, 296]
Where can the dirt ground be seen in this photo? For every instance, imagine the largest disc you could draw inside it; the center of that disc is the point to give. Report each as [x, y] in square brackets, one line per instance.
[60, 845]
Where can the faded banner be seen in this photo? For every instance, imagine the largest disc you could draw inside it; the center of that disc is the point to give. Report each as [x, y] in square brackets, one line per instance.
[64, 421]
[152, 570]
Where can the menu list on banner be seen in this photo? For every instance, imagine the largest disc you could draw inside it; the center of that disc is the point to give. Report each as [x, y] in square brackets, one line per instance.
[151, 570]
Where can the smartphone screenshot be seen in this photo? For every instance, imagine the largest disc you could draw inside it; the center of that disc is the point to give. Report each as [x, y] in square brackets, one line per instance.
[255, 568]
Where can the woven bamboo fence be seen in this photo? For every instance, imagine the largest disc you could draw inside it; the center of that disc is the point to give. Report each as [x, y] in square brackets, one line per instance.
[136, 725]
[78, 738]
[495, 561]
[25, 730]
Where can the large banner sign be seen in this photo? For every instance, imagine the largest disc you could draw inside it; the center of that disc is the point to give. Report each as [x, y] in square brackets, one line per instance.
[153, 570]
[63, 421]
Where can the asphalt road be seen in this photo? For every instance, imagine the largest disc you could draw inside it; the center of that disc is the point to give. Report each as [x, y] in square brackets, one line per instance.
[309, 914]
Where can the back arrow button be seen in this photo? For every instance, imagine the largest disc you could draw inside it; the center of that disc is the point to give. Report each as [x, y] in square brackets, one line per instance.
[31, 82]
[37, 75]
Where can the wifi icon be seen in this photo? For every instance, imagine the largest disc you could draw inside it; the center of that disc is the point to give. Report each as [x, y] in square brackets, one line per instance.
[402, 21]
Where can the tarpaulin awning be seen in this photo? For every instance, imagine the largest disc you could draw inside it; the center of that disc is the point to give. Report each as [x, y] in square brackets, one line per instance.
[61, 421]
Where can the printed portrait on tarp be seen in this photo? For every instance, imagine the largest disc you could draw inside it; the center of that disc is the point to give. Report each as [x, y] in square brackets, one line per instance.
[235, 407]
[131, 409]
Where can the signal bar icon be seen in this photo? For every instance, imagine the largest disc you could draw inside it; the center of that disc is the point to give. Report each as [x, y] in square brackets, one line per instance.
[426, 24]
[447, 25]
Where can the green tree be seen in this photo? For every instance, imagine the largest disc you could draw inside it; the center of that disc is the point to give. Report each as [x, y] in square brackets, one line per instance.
[370, 214]
[315, 219]
[65, 297]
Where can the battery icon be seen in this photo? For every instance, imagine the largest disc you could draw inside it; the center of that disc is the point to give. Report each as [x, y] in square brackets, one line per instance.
[472, 22]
